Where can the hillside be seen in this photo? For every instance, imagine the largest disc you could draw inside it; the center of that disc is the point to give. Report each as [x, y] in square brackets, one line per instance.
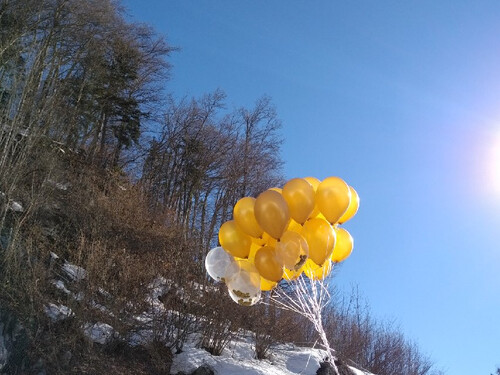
[111, 195]
[97, 285]
[237, 357]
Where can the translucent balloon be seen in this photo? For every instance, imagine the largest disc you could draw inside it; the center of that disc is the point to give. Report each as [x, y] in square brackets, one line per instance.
[271, 212]
[291, 275]
[333, 197]
[220, 265]
[244, 286]
[244, 217]
[343, 245]
[243, 298]
[292, 250]
[268, 265]
[299, 195]
[353, 206]
[320, 237]
[233, 240]
[315, 272]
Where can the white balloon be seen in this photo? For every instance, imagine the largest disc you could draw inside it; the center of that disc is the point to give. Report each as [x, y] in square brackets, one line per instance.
[244, 301]
[220, 265]
[244, 286]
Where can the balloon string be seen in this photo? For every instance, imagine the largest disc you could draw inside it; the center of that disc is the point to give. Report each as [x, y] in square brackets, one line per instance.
[307, 298]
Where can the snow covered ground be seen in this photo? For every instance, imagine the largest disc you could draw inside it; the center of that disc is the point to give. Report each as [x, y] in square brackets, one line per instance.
[238, 358]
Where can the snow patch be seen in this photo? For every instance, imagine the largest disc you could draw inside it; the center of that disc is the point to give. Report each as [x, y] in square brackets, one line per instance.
[104, 292]
[355, 371]
[12, 205]
[15, 206]
[59, 185]
[101, 333]
[60, 285]
[101, 308]
[158, 287]
[75, 273]
[238, 358]
[57, 312]
[141, 337]
[303, 361]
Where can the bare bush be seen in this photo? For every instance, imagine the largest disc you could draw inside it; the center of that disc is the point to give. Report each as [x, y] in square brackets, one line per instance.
[220, 321]
[272, 325]
[376, 346]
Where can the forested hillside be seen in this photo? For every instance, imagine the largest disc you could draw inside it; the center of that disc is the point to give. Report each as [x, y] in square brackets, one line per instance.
[112, 191]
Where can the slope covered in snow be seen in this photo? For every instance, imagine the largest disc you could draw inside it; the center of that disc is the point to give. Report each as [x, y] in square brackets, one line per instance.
[239, 358]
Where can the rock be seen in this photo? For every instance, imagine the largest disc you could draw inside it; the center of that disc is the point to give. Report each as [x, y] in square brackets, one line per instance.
[343, 368]
[66, 358]
[4, 353]
[203, 370]
[13, 342]
[327, 369]
[39, 367]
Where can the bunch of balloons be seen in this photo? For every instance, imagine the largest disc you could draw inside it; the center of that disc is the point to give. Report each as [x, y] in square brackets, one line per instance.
[281, 234]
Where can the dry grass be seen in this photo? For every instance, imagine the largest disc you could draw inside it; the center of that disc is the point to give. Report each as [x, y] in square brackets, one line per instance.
[100, 223]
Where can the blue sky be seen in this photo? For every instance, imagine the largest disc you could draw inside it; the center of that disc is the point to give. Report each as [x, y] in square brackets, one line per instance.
[402, 100]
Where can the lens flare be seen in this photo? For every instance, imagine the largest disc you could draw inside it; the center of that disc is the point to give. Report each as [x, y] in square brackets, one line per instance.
[494, 167]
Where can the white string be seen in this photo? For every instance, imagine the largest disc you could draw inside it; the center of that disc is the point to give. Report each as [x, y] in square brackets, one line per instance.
[308, 298]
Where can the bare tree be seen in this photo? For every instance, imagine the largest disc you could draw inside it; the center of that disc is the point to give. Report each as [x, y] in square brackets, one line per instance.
[204, 160]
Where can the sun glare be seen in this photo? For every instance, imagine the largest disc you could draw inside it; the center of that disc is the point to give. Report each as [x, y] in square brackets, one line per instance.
[495, 164]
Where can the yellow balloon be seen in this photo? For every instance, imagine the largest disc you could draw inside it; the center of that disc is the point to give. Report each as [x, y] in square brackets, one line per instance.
[314, 183]
[319, 216]
[267, 264]
[271, 212]
[253, 250]
[266, 285]
[261, 241]
[315, 272]
[277, 189]
[333, 197]
[233, 240]
[320, 237]
[244, 217]
[294, 226]
[291, 275]
[343, 245]
[353, 206]
[299, 195]
[292, 250]
[268, 240]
